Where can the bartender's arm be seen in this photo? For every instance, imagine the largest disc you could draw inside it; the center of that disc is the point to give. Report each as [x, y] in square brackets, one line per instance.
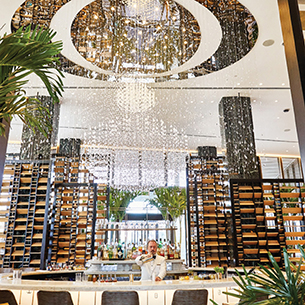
[140, 260]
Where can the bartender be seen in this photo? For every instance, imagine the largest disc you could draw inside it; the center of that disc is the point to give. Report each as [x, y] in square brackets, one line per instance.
[153, 266]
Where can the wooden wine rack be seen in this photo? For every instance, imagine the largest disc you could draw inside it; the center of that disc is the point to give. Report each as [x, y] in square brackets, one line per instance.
[71, 170]
[72, 223]
[25, 188]
[78, 204]
[101, 215]
[207, 198]
[268, 215]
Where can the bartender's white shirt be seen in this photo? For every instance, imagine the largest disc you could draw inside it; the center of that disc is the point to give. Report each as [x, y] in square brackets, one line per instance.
[151, 269]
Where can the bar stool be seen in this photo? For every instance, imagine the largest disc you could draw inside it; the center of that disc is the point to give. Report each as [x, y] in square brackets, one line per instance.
[6, 296]
[54, 297]
[194, 297]
[120, 298]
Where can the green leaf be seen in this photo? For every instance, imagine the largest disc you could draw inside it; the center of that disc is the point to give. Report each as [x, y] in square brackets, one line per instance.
[23, 53]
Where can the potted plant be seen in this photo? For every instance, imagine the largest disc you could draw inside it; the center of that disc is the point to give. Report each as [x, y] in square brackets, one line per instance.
[172, 201]
[23, 53]
[219, 272]
[118, 202]
[271, 285]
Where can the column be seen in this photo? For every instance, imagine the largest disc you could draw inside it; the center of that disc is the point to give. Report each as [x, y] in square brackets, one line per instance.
[36, 145]
[295, 57]
[238, 137]
[3, 146]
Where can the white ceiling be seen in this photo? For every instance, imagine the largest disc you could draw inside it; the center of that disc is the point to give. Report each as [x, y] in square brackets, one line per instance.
[192, 105]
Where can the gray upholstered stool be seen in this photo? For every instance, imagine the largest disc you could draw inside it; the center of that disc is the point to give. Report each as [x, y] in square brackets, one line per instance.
[194, 297]
[54, 297]
[120, 298]
[6, 296]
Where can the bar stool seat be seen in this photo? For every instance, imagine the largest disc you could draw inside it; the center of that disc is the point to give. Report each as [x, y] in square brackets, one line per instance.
[6, 296]
[54, 297]
[120, 298]
[194, 297]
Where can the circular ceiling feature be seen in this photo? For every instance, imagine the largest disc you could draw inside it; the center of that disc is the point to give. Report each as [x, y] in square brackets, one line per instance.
[137, 37]
[160, 40]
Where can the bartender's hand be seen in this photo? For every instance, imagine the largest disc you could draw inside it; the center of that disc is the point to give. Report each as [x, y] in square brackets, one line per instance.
[158, 279]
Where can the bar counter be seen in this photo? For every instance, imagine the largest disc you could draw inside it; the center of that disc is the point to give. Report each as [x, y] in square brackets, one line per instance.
[89, 293]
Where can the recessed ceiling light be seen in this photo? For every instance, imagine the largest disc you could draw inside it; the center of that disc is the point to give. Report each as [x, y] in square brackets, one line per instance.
[276, 101]
[286, 130]
[286, 110]
[283, 84]
[260, 84]
[268, 42]
[238, 84]
[254, 101]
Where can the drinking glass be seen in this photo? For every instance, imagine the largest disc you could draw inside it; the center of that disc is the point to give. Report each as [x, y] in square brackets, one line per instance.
[17, 275]
[85, 277]
[78, 277]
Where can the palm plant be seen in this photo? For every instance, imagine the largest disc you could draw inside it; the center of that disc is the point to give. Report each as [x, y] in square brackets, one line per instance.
[119, 201]
[21, 54]
[159, 201]
[272, 286]
[172, 201]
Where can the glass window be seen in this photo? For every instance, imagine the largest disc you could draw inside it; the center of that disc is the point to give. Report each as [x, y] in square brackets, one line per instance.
[270, 168]
[291, 168]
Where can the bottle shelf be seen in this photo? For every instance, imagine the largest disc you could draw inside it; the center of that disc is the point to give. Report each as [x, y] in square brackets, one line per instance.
[28, 182]
[207, 212]
[150, 229]
[278, 211]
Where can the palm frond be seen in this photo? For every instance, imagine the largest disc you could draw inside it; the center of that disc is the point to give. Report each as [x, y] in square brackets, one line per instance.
[21, 54]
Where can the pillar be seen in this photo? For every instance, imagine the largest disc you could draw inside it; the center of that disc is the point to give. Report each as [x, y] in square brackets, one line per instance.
[295, 57]
[238, 137]
[3, 146]
[35, 145]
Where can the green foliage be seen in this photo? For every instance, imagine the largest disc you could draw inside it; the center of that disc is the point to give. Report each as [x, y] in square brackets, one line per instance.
[170, 200]
[272, 285]
[21, 54]
[119, 201]
[219, 270]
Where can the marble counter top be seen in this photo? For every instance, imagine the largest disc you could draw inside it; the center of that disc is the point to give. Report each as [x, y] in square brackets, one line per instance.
[7, 283]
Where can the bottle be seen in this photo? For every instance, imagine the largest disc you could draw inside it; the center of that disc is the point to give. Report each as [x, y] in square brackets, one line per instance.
[120, 252]
[105, 252]
[110, 252]
[129, 251]
[99, 251]
[115, 250]
[165, 249]
[160, 243]
[170, 251]
[140, 246]
[178, 250]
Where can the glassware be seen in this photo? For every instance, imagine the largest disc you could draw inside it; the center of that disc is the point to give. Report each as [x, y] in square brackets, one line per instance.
[78, 277]
[17, 275]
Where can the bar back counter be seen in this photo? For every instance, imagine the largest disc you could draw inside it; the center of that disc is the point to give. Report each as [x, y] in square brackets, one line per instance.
[89, 293]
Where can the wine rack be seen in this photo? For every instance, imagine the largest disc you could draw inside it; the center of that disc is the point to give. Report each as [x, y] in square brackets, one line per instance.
[71, 170]
[208, 209]
[72, 222]
[101, 215]
[26, 185]
[268, 216]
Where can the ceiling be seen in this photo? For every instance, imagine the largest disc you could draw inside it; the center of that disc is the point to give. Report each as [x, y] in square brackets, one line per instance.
[191, 105]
